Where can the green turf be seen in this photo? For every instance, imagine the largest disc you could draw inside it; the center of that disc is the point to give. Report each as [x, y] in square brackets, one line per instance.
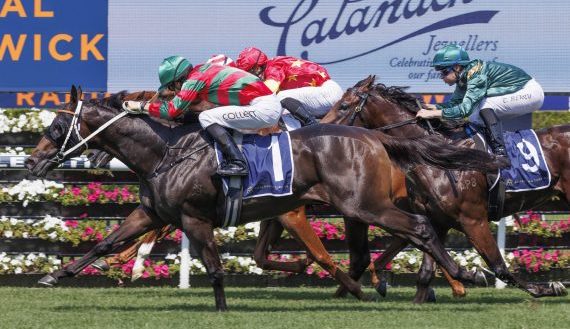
[273, 308]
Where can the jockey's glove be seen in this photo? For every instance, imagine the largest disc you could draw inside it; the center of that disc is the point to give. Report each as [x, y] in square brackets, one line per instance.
[134, 107]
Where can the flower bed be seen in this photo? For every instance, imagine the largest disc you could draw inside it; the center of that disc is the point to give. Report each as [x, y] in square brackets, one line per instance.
[16, 121]
[28, 191]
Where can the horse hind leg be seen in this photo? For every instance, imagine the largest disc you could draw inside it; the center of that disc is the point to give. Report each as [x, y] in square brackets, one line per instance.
[418, 230]
[480, 236]
[359, 252]
[299, 228]
[269, 233]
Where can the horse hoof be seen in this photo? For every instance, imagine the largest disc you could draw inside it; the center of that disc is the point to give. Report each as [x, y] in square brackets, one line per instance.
[382, 288]
[480, 278]
[101, 265]
[431, 296]
[48, 281]
[558, 288]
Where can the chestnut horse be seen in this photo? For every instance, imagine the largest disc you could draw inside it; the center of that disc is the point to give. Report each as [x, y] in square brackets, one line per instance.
[346, 167]
[390, 109]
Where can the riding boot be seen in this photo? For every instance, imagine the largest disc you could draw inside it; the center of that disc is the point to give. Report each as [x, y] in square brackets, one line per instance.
[298, 111]
[494, 132]
[234, 163]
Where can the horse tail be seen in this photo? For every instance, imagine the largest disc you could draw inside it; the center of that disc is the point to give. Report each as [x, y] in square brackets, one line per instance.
[432, 151]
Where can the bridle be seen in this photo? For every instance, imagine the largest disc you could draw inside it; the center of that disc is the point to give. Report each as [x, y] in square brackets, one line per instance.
[358, 109]
[75, 126]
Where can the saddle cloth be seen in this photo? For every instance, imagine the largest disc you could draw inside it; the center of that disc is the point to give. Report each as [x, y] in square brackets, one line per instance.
[270, 163]
[528, 170]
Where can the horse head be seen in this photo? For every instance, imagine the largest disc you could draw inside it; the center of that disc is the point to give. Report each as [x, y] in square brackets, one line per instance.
[374, 106]
[64, 132]
[76, 128]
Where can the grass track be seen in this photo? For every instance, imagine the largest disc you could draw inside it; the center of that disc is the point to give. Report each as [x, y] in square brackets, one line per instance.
[272, 308]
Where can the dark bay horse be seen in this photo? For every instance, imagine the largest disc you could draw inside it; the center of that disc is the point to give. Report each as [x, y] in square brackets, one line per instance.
[346, 167]
[376, 106]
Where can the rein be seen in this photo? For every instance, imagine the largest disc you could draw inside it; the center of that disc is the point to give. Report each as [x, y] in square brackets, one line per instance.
[75, 126]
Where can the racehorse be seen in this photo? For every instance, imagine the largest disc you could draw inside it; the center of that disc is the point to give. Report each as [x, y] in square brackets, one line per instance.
[464, 206]
[346, 167]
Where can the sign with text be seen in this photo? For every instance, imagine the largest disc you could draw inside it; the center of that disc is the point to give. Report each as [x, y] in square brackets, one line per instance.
[48, 45]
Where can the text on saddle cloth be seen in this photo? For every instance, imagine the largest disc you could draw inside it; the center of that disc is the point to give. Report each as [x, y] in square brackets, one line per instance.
[270, 163]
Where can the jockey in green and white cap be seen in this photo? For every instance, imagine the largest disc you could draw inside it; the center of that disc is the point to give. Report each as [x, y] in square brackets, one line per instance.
[485, 92]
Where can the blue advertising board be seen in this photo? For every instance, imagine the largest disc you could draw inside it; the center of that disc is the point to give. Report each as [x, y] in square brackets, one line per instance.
[47, 45]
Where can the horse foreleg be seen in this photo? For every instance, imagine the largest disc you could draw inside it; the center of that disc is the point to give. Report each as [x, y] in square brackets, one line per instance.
[303, 232]
[397, 245]
[201, 236]
[269, 233]
[136, 224]
[424, 293]
[479, 234]
[359, 252]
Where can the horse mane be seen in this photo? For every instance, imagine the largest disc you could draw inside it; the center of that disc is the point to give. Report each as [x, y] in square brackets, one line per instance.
[398, 96]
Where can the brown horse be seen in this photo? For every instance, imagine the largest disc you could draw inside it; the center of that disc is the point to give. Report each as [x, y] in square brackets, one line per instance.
[346, 167]
[372, 106]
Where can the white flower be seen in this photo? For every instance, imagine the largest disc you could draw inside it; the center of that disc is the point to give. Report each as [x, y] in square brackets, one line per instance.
[171, 256]
[18, 270]
[255, 270]
[8, 234]
[412, 260]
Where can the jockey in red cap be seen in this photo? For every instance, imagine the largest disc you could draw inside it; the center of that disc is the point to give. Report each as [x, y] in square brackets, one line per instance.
[304, 88]
[244, 103]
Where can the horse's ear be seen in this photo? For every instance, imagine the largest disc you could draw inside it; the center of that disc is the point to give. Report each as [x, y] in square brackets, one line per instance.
[79, 93]
[371, 79]
[73, 94]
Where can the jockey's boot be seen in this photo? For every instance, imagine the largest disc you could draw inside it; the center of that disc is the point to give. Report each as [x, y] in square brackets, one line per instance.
[494, 133]
[299, 111]
[234, 163]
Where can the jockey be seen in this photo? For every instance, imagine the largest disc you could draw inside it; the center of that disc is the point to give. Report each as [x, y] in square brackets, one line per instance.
[485, 93]
[304, 88]
[245, 103]
[221, 59]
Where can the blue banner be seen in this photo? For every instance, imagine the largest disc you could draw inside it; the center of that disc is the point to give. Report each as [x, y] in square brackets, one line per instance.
[48, 45]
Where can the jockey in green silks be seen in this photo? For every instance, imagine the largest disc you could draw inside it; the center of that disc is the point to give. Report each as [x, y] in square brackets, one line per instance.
[485, 93]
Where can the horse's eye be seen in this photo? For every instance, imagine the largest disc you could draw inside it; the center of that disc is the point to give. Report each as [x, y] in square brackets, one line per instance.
[344, 106]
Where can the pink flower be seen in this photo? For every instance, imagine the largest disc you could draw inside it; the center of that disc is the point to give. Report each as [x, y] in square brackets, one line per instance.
[88, 230]
[71, 223]
[75, 191]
